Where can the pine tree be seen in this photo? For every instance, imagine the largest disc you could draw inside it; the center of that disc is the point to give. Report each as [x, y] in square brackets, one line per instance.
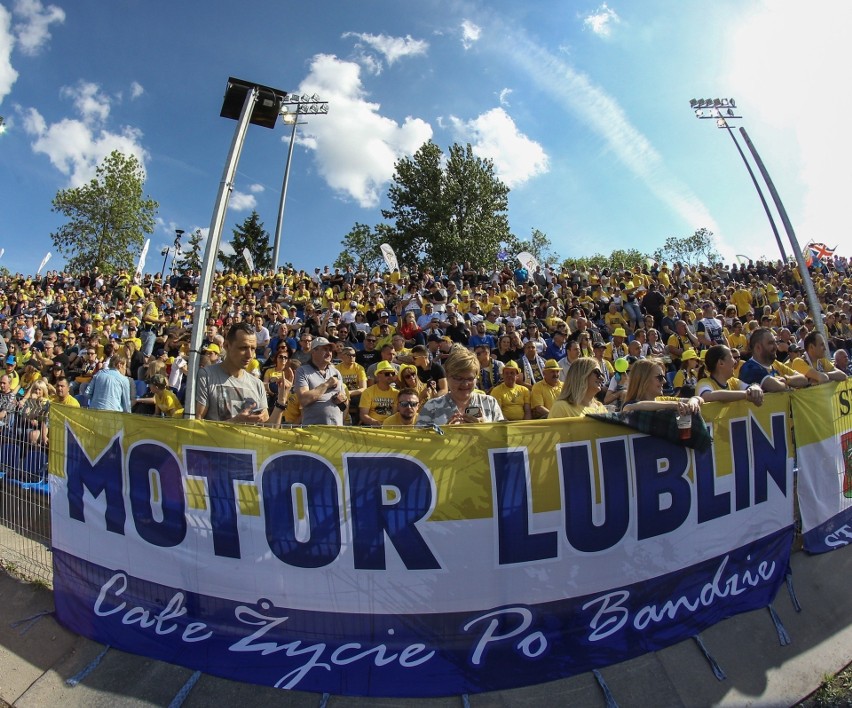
[190, 260]
[252, 236]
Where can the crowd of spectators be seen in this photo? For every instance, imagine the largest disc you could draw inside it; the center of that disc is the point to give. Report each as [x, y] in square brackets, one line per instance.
[370, 341]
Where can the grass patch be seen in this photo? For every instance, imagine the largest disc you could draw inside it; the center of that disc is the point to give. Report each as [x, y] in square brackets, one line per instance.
[834, 692]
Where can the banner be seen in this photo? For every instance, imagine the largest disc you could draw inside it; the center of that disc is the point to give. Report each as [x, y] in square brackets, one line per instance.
[141, 264]
[823, 434]
[390, 257]
[407, 562]
[528, 261]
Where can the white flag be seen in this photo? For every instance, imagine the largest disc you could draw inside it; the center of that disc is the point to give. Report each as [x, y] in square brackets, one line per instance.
[528, 261]
[249, 260]
[2, 251]
[141, 264]
[43, 262]
[390, 257]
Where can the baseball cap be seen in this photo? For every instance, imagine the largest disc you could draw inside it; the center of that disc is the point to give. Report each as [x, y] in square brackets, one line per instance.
[320, 342]
[212, 348]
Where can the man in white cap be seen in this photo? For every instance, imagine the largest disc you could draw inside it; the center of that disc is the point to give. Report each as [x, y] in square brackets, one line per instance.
[320, 388]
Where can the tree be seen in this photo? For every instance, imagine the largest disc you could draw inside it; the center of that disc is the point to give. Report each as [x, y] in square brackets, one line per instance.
[538, 244]
[619, 259]
[190, 260]
[108, 217]
[443, 212]
[251, 235]
[690, 250]
[360, 249]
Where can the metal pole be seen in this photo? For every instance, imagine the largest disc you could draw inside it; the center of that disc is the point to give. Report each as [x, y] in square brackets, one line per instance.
[211, 251]
[759, 193]
[813, 302]
[277, 246]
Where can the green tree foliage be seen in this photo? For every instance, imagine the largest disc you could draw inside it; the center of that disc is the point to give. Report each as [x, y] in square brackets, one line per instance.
[361, 249]
[444, 211]
[538, 244]
[190, 260]
[619, 259]
[107, 218]
[690, 250]
[251, 235]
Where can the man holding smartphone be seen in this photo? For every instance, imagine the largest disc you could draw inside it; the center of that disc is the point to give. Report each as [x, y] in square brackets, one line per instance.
[320, 388]
[226, 391]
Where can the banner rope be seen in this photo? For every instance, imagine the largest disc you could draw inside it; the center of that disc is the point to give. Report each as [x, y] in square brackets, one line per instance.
[181, 695]
[76, 678]
[717, 670]
[783, 637]
[465, 698]
[324, 700]
[792, 591]
[28, 623]
[610, 699]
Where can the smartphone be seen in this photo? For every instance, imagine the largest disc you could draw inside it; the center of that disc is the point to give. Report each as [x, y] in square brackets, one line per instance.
[472, 411]
[250, 406]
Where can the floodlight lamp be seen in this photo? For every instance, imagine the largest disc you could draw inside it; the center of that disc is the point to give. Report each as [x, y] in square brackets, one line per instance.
[730, 113]
[721, 123]
[265, 110]
[324, 108]
[732, 102]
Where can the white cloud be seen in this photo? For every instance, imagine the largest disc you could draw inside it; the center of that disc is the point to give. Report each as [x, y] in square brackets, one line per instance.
[797, 113]
[136, 90]
[75, 147]
[8, 75]
[240, 201]
[256, 188]
[504, 97]
[354, 145]
[494, 135]
[470, 33]
[33, 28]
[93, 105]
[391, 48]
[602, 20]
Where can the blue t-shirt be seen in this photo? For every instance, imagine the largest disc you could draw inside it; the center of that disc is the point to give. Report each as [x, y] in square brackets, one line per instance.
[753, 373]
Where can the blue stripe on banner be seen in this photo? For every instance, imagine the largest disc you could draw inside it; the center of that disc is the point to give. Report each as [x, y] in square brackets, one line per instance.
[426, 654]
[834, 533]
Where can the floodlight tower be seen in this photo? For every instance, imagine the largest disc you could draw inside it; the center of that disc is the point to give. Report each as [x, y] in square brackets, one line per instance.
[722, 110]
[247, 102]
[293, 107]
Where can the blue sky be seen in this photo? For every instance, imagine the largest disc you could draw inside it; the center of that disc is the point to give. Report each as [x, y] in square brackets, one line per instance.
[582, 106]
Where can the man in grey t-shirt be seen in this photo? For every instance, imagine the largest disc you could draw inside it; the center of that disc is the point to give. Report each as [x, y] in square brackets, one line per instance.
[319, 386]
[226, 391]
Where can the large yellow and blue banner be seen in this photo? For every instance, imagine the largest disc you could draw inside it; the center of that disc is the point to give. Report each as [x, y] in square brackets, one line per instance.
[413, 562]
[823, 435]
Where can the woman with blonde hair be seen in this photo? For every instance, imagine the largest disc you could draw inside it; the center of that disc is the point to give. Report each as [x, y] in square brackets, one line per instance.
[461, 404]
[645, 390]
[33, 415]
[408, 379]
[583, 382]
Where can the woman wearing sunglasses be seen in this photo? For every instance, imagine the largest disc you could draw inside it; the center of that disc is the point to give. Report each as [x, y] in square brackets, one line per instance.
[583, 382]
[645, 390]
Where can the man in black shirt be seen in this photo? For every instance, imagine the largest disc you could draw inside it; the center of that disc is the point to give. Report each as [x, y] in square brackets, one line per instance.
[369, 355]
[429, 372]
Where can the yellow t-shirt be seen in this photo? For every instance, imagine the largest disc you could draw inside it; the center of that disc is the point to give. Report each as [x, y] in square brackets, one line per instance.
[563, 409]
[543, 394]
[512, 400]
[379, 404]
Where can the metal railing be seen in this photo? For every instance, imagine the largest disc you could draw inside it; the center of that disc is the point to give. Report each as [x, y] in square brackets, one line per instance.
[24, 506]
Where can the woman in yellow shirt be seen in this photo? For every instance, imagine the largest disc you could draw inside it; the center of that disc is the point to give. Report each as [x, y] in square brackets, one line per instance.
[583, 382]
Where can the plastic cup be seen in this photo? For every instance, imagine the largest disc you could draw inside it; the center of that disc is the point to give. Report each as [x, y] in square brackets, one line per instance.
[684, 426]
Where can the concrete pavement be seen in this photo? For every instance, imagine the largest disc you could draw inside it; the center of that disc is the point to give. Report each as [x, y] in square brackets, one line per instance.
[36, 659]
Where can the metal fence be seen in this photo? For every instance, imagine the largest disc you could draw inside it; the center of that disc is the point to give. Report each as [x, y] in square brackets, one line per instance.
[24, 506]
